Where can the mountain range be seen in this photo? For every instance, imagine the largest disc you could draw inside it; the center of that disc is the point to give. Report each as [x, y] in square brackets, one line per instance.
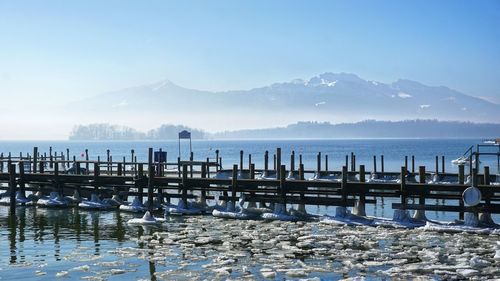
[332, 97]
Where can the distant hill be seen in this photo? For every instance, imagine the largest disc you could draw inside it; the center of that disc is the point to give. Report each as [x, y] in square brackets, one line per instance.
[341, 97]
[371, 129]
[305, 130]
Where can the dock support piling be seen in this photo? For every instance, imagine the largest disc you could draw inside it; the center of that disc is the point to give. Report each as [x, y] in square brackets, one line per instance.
[359, 208]
[12, 187]
[461, 180]
[302, 207]
[234, 184]
[486, 216]
[22, 186]
[420, 214]
[251, 203]
[151, 175]
[184, 184]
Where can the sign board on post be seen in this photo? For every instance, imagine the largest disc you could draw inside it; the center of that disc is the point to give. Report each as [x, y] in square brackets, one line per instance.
[160, 156]
[185, 135]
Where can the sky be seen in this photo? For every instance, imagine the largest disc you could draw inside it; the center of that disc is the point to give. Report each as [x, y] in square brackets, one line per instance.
[55, 52]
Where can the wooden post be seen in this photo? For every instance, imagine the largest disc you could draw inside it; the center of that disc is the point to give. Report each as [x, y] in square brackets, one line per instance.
[184, 184]
[461, 180]
[67, 157]
[203, 186]
[140, 176]
[354, 162]
[217, 159]
[292, 161]
[318, 163]
[119, 172]
[486, 175]
[78, 169]
[283, 185]
[1, 162]
[249, 160]
[220, 162]
[124, 165]
[374, 163]
[404, 201]
[326, 162]
[437, 164]
[108, 157]
[208, 167]
[362, 173]
[413, 164]
[274, 165]
[22, 187]
[487, 197]
[51, 160]
[12, 187]
[301, 207]
[343, 186]
[87, 160]
[266, 161]
[241, 160]
[442, 164]
[58, 185]
[151, 176]
[382, 163]
[42, 167]
[278, 162]
[421, 174]
[252, 171]
[300, 159]
[406, 163]
[234, 183]
[347, 160]
[360, 210]
[179, 166]
[191, 158]
[97, 173]
[132, 159]
[35, 158]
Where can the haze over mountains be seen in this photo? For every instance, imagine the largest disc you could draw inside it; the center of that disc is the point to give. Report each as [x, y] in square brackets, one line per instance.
[327, 97]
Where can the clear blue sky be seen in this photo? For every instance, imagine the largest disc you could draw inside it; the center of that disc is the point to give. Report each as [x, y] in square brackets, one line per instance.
[63, 50]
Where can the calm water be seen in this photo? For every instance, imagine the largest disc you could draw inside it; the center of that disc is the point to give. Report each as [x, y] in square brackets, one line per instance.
[45, 244]
[394, 150]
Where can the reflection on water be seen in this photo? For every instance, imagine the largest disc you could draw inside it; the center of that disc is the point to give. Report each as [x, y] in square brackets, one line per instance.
[49, 238]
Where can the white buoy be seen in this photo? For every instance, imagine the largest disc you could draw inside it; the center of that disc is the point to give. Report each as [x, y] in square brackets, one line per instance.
[147, 219]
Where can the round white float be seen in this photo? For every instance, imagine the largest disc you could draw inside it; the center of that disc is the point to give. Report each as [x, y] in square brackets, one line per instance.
[471, 196]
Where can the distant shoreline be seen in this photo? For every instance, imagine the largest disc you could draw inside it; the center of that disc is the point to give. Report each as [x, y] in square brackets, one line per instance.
[370, 129]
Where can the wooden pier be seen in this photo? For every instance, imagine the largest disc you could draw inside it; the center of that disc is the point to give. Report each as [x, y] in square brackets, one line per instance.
[353, 185]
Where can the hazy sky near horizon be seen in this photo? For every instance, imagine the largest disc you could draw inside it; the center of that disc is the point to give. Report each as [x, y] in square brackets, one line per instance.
[53, 52]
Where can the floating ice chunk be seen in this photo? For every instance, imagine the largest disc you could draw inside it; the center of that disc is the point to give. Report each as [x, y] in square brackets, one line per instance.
[467, 272]
[62, 274]
[404, 95]
[478, 262]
